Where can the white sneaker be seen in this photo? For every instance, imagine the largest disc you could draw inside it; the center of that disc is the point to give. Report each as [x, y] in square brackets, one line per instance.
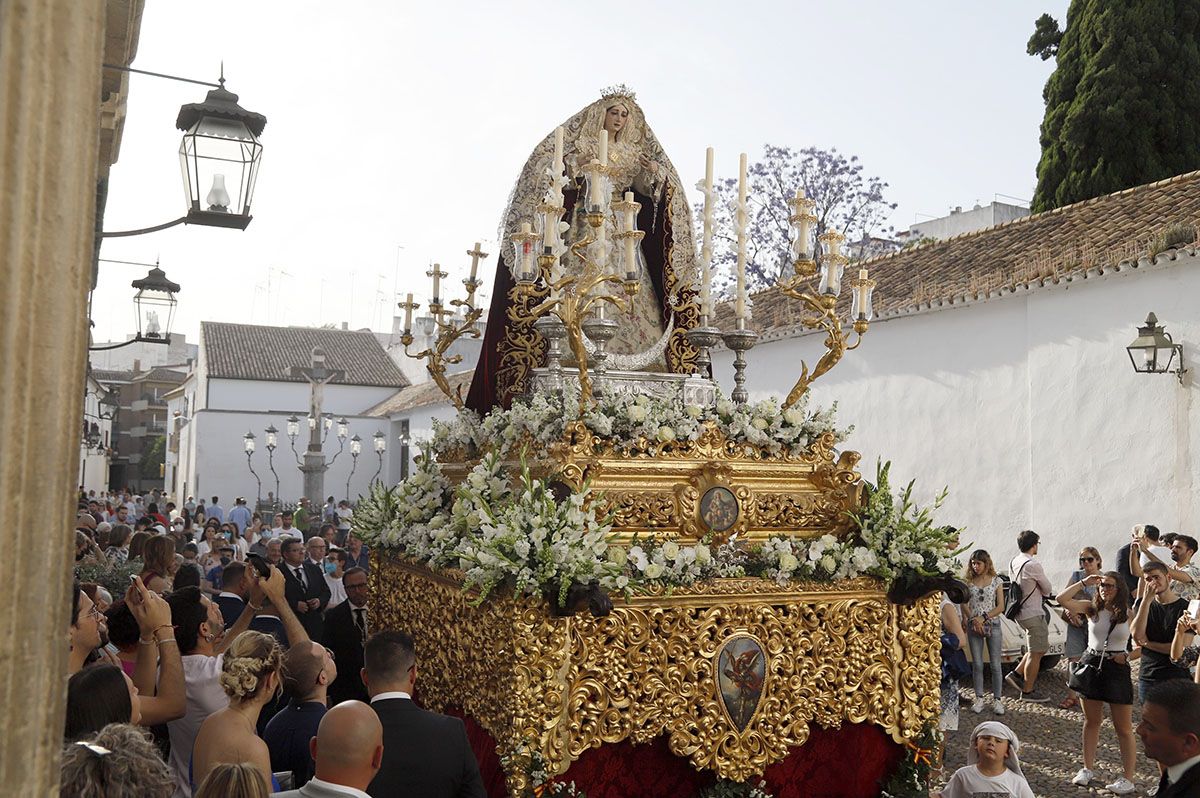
[998, 707]
[977, 707]
[1121, 786]
[1083, 778]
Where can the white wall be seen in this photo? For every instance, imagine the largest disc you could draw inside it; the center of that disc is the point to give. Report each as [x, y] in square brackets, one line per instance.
[290, 397]
[213, 460]
[1027, 407]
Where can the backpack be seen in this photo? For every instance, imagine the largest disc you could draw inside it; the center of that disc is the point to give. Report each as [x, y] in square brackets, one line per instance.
[1016, 596]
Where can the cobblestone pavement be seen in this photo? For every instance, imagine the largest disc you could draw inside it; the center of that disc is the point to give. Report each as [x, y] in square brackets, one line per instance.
[1051, 740]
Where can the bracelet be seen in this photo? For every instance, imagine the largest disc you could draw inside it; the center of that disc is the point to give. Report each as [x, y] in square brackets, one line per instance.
[149, 642]
[168, 640]
[253, 607]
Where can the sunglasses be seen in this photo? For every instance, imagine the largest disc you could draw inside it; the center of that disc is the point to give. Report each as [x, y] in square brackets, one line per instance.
[1087, 559]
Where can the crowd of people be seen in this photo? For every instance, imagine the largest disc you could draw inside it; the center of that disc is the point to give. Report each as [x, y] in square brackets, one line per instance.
[240, 660]
[1145, 610]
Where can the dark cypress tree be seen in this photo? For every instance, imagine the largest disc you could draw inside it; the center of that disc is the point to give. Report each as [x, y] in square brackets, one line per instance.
[1123, 104]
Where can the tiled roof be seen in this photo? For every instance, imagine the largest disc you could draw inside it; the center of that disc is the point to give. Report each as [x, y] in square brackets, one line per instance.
[108, 375]
[162, 374]
[422, 394]
[253, 352]
[1072, 242]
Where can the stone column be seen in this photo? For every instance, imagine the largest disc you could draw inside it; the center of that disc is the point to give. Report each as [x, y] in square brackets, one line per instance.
[50, 74]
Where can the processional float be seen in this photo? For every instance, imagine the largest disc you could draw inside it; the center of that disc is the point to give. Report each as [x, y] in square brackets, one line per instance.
[733, 672]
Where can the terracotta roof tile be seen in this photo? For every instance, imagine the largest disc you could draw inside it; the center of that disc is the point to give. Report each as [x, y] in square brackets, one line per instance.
[422, 394]
[1029, 252]
[254, 352]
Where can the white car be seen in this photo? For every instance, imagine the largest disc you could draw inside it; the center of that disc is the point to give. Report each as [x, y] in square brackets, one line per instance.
[1016, 639]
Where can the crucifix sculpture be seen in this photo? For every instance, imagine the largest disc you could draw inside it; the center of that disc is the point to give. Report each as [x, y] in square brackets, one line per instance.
[314, 465]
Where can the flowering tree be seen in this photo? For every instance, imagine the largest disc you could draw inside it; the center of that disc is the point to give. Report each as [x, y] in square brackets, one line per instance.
[847, 201]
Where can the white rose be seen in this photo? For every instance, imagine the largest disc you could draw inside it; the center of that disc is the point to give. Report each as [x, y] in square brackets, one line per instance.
[670, 549]
[788, 562]
[793, 416]
[703, 554]
[828, 563]
[637, 414]
[760, 424]
[654, 571]
[725, 407]
[618, 556]
[666, 434]
[694, 411]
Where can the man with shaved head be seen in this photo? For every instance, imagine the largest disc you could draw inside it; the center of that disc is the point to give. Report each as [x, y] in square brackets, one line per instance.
[348, 750]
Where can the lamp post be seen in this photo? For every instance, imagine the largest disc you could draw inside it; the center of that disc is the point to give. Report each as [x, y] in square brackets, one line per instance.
[380, 448]
[1153, 351]
[355, 451]
[248, 444]
[272, 442]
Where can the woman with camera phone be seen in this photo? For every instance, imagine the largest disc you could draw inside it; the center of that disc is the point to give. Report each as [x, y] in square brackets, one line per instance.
[1102, 675]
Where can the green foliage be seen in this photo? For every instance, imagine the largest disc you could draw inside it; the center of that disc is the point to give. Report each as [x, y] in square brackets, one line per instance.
[113, 577]
[154, 458]
[1045, 39]
[911, 777]
[1123, 104]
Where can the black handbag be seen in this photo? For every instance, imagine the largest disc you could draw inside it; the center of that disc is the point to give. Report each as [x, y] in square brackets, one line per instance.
[1016, 599]
[1086, 678]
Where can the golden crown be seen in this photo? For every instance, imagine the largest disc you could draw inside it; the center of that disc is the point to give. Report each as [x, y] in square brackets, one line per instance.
[619, 91]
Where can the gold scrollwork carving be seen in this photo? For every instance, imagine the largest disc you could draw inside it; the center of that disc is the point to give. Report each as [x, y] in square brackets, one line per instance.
[833, 654]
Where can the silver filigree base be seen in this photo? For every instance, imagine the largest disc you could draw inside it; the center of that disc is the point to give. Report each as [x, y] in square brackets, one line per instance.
[739, 341]
[703, 338]
[555, 332]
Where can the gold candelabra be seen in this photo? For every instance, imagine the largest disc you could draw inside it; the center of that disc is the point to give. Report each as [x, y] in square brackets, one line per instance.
[447, 332]
[821, 304]
[574, 299]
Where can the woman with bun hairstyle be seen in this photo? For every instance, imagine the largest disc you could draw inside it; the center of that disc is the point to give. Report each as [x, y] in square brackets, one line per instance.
[250, 676]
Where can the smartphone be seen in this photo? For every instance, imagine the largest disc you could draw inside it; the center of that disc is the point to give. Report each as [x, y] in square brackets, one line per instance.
[1194, 608]
[262, 566]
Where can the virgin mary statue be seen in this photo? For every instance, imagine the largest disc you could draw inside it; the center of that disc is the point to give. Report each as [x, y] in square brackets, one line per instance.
[652, 332]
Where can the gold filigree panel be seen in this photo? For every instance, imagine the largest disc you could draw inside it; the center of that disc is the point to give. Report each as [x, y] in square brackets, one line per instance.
[833, 654]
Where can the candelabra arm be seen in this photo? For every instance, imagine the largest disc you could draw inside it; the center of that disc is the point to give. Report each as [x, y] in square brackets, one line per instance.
[824, 316]
[448, 333]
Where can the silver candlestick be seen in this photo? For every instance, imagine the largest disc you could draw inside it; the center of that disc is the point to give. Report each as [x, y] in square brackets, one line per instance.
[740, 340]
[703, 338]
[599, 330]
[554, 331]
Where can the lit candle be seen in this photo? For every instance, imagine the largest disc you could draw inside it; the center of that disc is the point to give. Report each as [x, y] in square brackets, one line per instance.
[706, 251]
[740, 307]
[408, 309]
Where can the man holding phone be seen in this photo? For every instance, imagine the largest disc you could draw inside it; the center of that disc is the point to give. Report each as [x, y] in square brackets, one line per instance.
[1154, 625]
[1185, 575]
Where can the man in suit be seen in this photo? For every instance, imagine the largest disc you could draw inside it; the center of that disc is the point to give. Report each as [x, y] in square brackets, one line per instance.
[306, 590]
[1170, 732]
[348, 750]
[346, 629]
[235, 589]
[424, 753]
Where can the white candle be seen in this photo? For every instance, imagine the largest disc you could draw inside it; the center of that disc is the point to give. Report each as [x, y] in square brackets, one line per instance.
[603, 154]
[557, 163]
[594, 187]
[408, 309]
[549, 223]
[630, 243]
[474, 261]
[526, 253]
[437, 280]
[706, 251]
[740, 307]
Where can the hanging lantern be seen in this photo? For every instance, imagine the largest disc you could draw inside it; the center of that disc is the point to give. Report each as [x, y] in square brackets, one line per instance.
[219, 156]
[155, 294]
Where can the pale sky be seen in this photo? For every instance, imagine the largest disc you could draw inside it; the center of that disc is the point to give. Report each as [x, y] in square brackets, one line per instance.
[396, 130]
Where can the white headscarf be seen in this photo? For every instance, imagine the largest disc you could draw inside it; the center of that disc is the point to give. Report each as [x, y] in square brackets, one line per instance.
[994, 728]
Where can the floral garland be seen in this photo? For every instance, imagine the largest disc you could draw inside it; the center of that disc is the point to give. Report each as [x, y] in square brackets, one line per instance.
[631, 421]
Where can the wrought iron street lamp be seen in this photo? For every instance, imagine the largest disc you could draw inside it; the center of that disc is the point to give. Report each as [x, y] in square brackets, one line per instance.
[1153, 351]
[380, 448]
[248, 445]
[272, 442]
[355, 451]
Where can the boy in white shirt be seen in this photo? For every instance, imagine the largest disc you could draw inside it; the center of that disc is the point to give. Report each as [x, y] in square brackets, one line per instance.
[992, 769]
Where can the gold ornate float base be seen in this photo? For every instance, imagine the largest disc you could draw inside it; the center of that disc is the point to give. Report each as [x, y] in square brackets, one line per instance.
[662, 664]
